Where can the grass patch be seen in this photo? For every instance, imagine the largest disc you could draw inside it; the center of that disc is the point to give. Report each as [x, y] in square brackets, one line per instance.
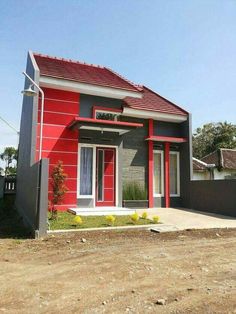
[65, 220]
[134, 191]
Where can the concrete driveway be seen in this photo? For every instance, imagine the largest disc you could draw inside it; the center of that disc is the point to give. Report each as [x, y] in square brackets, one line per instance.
[186, 218]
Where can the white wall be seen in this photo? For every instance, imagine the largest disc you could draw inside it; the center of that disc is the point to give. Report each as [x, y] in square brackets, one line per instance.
[201, 175]
[220, 175]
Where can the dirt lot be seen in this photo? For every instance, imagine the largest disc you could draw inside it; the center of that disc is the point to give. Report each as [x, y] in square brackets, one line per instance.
[120, 272]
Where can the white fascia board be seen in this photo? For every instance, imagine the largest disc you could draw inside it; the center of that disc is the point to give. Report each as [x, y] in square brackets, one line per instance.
[31, 55]
[89, 89]
[105, 129]
[146, 114]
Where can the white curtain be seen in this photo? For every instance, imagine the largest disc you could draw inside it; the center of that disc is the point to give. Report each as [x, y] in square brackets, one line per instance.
[86, 170]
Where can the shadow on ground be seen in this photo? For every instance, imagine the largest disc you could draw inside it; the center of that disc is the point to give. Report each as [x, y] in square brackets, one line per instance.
[11, 224]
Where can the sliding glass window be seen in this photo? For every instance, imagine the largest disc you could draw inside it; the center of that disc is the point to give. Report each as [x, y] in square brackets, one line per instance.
[86, 170]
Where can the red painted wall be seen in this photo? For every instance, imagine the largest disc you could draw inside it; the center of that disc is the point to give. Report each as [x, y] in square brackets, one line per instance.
[60, 143]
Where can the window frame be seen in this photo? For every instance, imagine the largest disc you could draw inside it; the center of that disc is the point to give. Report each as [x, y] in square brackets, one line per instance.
[161, 152]
[93, 196]
[108, 110]
[178, 173]
[93, 171]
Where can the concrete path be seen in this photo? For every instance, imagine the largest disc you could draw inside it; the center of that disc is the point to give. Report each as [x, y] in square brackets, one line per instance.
[186, 218]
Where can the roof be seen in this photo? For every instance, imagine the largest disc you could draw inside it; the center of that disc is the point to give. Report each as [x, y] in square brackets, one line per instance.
[198, 165]
[82, 72]
[223, 158]
[102, 76]
[154, 102]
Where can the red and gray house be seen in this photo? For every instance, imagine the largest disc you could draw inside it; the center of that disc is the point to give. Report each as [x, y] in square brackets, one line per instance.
[107, 131]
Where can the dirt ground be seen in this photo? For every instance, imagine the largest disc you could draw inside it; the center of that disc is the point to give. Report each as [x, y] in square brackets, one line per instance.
[120, 272]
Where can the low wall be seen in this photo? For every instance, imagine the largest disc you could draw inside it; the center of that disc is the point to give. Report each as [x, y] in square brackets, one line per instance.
[216, 196]
[32, 197]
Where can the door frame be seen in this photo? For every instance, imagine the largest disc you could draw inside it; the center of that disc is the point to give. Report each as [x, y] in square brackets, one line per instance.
[93, 195]
[103, 149]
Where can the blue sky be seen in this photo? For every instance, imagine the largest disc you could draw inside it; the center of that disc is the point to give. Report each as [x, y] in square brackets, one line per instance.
[184, 50]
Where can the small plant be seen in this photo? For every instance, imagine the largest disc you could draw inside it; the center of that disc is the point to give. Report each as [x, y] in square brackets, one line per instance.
[156, 219]
[110, 219]
[78, 220]
[134, 191]
[59, 188]
[135, 218]
[144, 215]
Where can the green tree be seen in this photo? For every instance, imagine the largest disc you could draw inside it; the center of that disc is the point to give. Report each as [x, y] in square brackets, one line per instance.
[9, 155]
[212, 136]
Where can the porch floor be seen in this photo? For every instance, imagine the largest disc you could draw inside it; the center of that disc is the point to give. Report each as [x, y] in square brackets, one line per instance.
[101, 211]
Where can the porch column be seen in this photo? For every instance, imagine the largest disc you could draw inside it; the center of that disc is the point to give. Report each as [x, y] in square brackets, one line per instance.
[150, 164]
[167, 174]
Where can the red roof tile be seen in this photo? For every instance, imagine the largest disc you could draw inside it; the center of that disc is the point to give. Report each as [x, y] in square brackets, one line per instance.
[154, 102]
[81, 72]
[222, 158]
[98, 75]
[198, 166]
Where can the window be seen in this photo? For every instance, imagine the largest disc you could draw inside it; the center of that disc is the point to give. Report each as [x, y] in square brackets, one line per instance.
[174, 174]
[86, 171]
[106, 113]
[106, 116]
[158, 173]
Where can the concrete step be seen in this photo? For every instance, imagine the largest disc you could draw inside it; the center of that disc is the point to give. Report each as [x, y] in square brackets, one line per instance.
[101, 211]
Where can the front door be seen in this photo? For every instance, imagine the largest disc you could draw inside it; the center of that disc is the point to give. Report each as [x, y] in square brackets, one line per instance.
[105, 176]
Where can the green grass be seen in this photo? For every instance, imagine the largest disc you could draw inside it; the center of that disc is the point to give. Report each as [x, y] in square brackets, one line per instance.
[65, 220]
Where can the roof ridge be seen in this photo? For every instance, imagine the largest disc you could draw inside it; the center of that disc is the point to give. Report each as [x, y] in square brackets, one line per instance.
[233, 149]
[170, 102]
[139, 87]
[214, 151]
[68, 60]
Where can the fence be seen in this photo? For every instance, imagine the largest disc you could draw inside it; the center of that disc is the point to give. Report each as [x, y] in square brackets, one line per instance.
[216, 196]
[10, 185]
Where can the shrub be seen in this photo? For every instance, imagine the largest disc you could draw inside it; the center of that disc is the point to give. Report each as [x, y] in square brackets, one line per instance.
[111, 220]
[144, 215]
[134, 191]
[59, 188]
[78, 220]
[156, 219]
[135, 218]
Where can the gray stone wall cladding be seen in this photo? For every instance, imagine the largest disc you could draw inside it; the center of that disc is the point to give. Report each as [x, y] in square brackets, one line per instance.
[135, 155]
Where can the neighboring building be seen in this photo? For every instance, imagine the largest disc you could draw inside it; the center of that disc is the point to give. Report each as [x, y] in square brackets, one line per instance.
[107, 131]
[224, 162]
[202, 170]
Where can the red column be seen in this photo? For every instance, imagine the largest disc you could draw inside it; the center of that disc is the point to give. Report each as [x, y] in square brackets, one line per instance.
[150, 165]
[167, 174]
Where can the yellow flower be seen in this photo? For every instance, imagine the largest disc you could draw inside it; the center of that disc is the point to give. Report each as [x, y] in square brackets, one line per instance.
[78, 220]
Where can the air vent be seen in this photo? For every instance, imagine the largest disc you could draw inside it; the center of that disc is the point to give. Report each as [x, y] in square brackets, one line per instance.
[86, 138]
